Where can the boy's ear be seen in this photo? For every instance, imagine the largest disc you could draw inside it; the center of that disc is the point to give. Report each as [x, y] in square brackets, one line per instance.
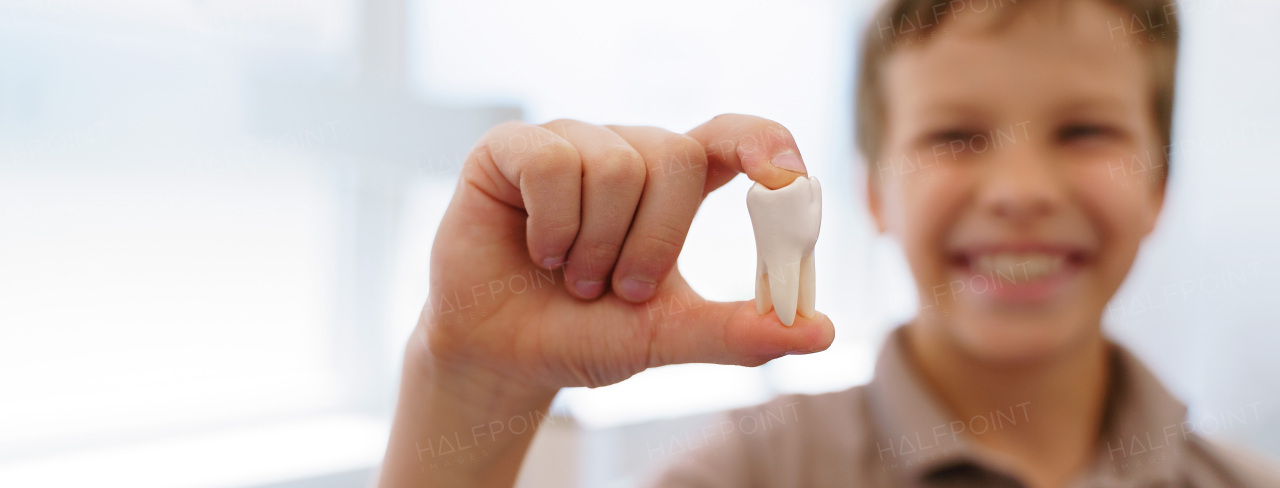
[874, 201]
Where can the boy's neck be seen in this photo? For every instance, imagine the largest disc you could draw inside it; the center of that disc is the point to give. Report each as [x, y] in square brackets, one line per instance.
[1064, 400]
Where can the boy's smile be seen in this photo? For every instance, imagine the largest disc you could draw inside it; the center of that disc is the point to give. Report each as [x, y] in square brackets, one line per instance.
[1016, 231]
[1014, 272]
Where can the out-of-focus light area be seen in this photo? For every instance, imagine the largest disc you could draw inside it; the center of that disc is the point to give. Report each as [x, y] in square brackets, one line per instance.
[216, 220]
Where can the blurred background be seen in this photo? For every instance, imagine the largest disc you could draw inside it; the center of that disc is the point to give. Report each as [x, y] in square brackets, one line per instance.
[216, 217]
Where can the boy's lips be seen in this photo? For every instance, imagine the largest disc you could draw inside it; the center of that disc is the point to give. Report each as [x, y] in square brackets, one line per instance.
[1021, 274]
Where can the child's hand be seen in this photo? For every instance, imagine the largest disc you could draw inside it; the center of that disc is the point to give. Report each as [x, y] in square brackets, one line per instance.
[554, 266]
[613, 204]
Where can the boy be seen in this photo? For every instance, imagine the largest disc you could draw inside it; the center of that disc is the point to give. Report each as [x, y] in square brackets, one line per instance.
[991, 131]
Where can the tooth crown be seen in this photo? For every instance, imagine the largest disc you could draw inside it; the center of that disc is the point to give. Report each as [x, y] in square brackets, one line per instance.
[786, 223]
[1018, 267]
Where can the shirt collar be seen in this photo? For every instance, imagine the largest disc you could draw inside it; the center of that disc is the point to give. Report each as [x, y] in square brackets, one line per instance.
[916, 438]
[1144, 433]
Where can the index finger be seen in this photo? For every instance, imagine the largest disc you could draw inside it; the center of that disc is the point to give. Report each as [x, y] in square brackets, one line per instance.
[759, 147]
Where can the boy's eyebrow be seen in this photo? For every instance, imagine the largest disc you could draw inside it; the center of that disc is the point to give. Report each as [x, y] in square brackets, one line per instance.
[951, 110]
[1098, 104]
[1092, 105]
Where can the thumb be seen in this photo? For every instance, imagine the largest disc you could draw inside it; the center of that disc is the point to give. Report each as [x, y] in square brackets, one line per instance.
[690, 329]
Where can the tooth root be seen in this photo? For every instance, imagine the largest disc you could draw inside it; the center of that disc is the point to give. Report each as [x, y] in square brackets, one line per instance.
[763, 298]
[786, 223]
[784, 287]
[808, 286]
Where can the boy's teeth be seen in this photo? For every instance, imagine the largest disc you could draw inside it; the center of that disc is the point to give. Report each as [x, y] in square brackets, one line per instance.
[1018, 266]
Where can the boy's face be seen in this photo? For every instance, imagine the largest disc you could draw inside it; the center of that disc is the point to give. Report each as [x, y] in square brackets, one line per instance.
[1013, 174]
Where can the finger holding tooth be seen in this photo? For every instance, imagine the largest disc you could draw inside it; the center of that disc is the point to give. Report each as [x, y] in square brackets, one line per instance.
[786, 223]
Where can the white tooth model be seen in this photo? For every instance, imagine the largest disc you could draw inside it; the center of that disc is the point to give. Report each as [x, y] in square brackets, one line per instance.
[786, 223]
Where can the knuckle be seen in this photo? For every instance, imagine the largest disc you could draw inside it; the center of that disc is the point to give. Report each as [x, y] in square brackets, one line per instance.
[558, 124]
[596, 259]
[495, 139]
[552, 157]
[562, 225]
[524, 143]
[557, 231]
[480, 152]
[664, 239]
[603, 249]
[684, 143]
[725, 116]
[683, 153]
[621, 166]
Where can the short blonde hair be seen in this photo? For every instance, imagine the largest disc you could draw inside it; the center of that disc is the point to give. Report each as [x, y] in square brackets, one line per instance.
[1151, 23]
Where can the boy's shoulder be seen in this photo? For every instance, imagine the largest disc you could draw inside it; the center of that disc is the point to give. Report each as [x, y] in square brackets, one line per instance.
[831, 439]
[839, 420]
[810, 439]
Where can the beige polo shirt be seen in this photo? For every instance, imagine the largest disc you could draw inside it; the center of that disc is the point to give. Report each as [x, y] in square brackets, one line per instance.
[893, 432]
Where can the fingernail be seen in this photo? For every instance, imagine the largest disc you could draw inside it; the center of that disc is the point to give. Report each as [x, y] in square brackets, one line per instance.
[553, 263]
[589, 288]
[635, 289]
[789, 161]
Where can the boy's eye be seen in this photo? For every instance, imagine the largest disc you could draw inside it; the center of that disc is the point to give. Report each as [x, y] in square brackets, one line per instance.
[948, 135]
[1084, 133]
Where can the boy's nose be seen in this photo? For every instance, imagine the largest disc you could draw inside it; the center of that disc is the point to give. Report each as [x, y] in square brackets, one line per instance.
[1020, 187]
